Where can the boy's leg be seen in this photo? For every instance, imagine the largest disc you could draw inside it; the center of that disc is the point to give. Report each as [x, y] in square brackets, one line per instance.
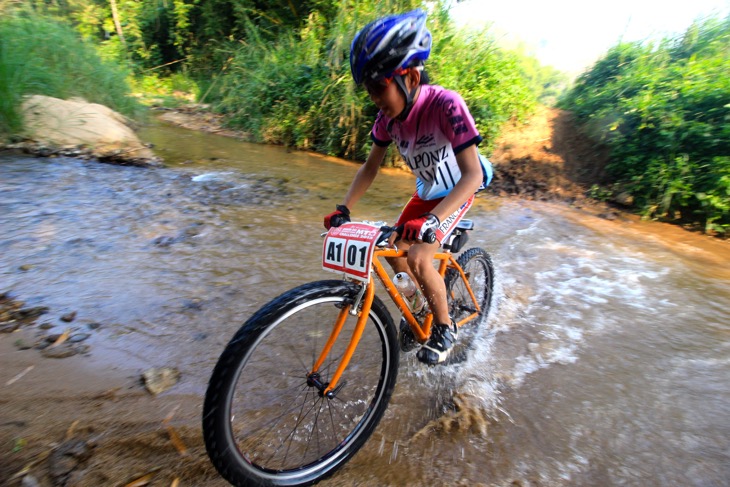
[420, 259]
[414, 208]
[420, 263]
[444, 331]
[420, 266]
[420, 255]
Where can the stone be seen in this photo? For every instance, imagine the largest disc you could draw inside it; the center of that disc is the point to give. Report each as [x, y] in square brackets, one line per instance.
[158, 380]
[69, 317]
[70, 124]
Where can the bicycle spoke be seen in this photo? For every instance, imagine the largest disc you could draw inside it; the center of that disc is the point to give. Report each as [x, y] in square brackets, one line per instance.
[280, 419]
[289, 437]
[275, 420]
[304, 414]
[332, 419]
[314, 428]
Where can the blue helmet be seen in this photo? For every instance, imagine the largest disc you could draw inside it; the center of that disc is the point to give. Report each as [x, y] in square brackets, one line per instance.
[388, 44]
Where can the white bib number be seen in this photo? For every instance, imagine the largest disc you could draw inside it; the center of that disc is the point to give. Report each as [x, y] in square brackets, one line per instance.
[348, 249]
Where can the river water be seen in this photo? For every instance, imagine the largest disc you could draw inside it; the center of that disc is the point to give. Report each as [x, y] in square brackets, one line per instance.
[604, 361]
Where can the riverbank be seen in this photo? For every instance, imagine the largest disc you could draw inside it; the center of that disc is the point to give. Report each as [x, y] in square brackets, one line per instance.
[532, 161]
[545, 159]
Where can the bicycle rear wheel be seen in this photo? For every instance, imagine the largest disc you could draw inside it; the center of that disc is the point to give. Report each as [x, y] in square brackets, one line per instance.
[264, 423]
[477, 266]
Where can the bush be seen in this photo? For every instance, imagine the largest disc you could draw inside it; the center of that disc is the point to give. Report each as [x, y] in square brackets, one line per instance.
[664, 111]
[298, 91]
[57, 63]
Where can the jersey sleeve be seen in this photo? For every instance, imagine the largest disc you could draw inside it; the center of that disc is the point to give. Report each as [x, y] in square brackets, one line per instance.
[379, 134]
[457, 123]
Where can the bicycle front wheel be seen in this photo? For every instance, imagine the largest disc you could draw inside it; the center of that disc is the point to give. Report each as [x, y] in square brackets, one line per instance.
[265, 421]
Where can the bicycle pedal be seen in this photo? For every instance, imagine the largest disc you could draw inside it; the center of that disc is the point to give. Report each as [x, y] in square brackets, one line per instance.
[406, 338]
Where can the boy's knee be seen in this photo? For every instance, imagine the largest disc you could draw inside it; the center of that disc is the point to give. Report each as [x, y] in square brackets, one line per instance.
[417, 261]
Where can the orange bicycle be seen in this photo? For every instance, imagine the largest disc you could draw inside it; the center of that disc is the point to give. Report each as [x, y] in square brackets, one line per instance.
[304, 382]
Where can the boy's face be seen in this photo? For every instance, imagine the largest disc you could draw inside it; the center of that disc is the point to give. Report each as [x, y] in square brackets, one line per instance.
[387, 96]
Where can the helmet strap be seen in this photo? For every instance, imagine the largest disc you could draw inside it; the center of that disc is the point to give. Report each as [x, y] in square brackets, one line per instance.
[409, 94]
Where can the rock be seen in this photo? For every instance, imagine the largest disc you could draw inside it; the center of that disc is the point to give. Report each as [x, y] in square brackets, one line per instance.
[192, 230]
[164, 241]
[195, 304]
[9, 326]
[69, 124]
[158, 380]
[69, 317]
[48, 340]
[66, 458]
[64, 350]
[624, 199]
[32, 313]
[21, 344]
[13, 314]
[78, 337]
[610, 216]
[29, 481]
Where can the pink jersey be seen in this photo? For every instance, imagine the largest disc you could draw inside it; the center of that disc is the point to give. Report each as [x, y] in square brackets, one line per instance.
[438, 127]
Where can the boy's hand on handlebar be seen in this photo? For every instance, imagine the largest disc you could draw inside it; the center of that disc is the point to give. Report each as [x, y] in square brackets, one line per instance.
[338, 217]
[415, 229]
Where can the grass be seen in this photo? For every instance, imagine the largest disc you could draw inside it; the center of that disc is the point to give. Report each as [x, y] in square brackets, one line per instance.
[40, 56]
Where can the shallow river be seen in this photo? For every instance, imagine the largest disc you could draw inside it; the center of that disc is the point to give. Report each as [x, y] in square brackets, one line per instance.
[605, 359]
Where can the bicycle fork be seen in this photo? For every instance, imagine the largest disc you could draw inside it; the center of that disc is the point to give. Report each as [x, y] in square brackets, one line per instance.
[329, 389]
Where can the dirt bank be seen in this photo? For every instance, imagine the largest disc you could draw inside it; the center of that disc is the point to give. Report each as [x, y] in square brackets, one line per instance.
[546, 159]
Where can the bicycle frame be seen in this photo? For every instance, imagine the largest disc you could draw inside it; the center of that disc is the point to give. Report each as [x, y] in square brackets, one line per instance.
[422, 331]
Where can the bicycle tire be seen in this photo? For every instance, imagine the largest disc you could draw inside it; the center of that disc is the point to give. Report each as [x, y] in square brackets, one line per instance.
[258, 394]
[479, 271]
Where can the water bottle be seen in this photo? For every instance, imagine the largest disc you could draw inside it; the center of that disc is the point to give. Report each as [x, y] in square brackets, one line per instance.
[413, 296]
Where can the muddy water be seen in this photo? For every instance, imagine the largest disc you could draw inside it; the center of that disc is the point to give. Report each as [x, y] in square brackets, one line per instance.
[604, 361]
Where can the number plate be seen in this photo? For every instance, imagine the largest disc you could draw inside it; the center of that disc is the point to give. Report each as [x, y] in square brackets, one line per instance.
[348, 249]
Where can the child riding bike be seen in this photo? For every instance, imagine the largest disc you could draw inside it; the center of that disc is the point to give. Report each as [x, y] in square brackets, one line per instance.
[436, 136]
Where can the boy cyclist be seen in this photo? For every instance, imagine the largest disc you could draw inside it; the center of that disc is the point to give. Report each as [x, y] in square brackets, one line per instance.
[436, 136]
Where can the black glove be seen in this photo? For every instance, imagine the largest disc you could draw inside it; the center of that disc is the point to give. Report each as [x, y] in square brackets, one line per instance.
[417, 228]
[338, 217]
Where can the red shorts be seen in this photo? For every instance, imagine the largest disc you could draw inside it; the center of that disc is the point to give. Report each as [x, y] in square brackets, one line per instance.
[416, 207]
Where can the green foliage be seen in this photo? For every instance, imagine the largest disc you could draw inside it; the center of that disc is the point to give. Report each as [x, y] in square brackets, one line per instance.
[546, 82]
[168, 91]
[280, 70]
[151, 34]
[57, 63]
[664, 111]
[599, 193]
[298, 91]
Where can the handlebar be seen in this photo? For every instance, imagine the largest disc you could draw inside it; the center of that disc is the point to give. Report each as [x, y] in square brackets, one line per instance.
[429, 236]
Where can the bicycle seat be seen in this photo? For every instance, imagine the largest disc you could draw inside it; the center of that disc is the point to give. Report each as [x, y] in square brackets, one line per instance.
[458, 237]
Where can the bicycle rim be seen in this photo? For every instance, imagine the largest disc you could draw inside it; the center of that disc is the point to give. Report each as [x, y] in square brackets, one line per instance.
[477, 266]
[274, 428]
